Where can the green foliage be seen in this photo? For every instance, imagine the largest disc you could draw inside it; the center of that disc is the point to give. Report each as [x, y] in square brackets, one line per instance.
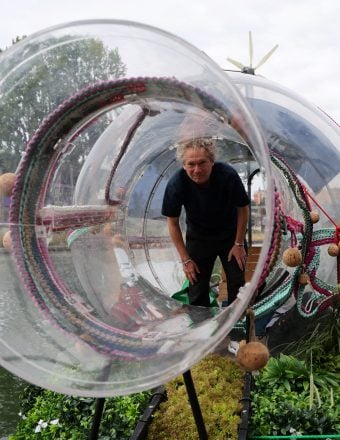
[279, 412]
[289, 398]
[300, 392]
[29, 397]
[49, 415]
[289, 414]
[219, 385]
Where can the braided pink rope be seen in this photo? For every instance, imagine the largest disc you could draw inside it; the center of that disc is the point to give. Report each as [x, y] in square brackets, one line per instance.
[294, 226]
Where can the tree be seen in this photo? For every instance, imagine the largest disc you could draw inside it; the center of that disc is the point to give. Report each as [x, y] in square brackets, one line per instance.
[43, 81]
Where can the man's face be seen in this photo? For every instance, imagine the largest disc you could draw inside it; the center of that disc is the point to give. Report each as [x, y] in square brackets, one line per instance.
[197, 165]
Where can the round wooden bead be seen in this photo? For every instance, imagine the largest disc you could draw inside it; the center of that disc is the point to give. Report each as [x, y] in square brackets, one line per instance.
[252, 356]
[7, 181]
[7, 241]
[333, 250]
[292, 257]
[314, 216]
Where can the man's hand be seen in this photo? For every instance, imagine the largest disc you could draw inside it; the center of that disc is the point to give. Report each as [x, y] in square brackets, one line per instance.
[191, 270]
[240, 254]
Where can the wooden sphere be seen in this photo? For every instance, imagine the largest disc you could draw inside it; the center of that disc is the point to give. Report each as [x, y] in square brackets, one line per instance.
[333, 250]
[252, 356]
[7, 241]
[292, 257]
[7, 181]
[304, 278]
[314, 216]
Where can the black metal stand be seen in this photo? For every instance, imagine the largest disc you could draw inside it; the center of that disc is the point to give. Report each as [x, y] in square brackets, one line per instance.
[195, 406]
[97, 418]
[100, 402]
[246, 404]
[246, 400]
[158, 396]
[141, 429]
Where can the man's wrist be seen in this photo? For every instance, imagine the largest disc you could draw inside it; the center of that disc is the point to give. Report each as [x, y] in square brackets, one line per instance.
[238, 244]
[185, 262]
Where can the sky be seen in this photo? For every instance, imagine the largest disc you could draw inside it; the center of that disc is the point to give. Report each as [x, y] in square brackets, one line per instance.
[307, 60]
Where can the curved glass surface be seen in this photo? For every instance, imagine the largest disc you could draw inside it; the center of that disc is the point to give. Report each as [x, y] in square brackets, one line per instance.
[86, 297]
[87, 307]
[305, 147]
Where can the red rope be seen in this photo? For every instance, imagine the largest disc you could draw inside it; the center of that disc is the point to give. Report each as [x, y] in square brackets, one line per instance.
[319, 206]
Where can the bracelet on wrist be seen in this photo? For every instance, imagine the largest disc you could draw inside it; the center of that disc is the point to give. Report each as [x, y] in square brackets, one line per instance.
[185, 262]
[238, 244]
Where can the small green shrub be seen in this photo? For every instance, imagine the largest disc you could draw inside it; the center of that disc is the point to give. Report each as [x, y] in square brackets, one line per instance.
[288, 398]
[49, 415]
[300, 392]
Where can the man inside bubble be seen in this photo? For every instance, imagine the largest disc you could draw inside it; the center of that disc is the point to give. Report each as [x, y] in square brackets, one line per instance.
[217, 212]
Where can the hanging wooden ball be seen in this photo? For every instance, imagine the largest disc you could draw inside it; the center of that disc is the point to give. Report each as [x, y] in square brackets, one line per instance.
[333, 250]
[252, 356]
[7, 241]
[292, 257]
[314, 216]
[304, 278]
[7, 181]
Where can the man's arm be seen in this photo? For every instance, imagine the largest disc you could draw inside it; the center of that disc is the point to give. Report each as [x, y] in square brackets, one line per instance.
[189, 266]
[242, 223]
[238, 250]
[177, 237]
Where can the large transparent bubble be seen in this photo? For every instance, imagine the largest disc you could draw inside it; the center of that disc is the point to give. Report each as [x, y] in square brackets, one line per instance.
[304, 145]
[87, 281]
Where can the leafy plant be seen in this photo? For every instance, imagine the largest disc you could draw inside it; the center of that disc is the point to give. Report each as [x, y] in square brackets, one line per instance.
[294, 374]
[49, 415]
[290, 397]
[280, 413]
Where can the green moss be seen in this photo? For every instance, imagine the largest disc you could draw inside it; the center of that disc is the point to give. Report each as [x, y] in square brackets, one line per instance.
[219, 386]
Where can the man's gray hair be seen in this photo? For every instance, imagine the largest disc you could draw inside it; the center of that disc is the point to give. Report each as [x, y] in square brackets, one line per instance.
[207, 144]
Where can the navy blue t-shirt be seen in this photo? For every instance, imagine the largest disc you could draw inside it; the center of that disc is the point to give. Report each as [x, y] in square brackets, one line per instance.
[210, 210]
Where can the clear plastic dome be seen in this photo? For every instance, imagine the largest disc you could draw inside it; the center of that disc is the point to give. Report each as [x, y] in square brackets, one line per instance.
[87, 283]
[87, 309]
[304, 145]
